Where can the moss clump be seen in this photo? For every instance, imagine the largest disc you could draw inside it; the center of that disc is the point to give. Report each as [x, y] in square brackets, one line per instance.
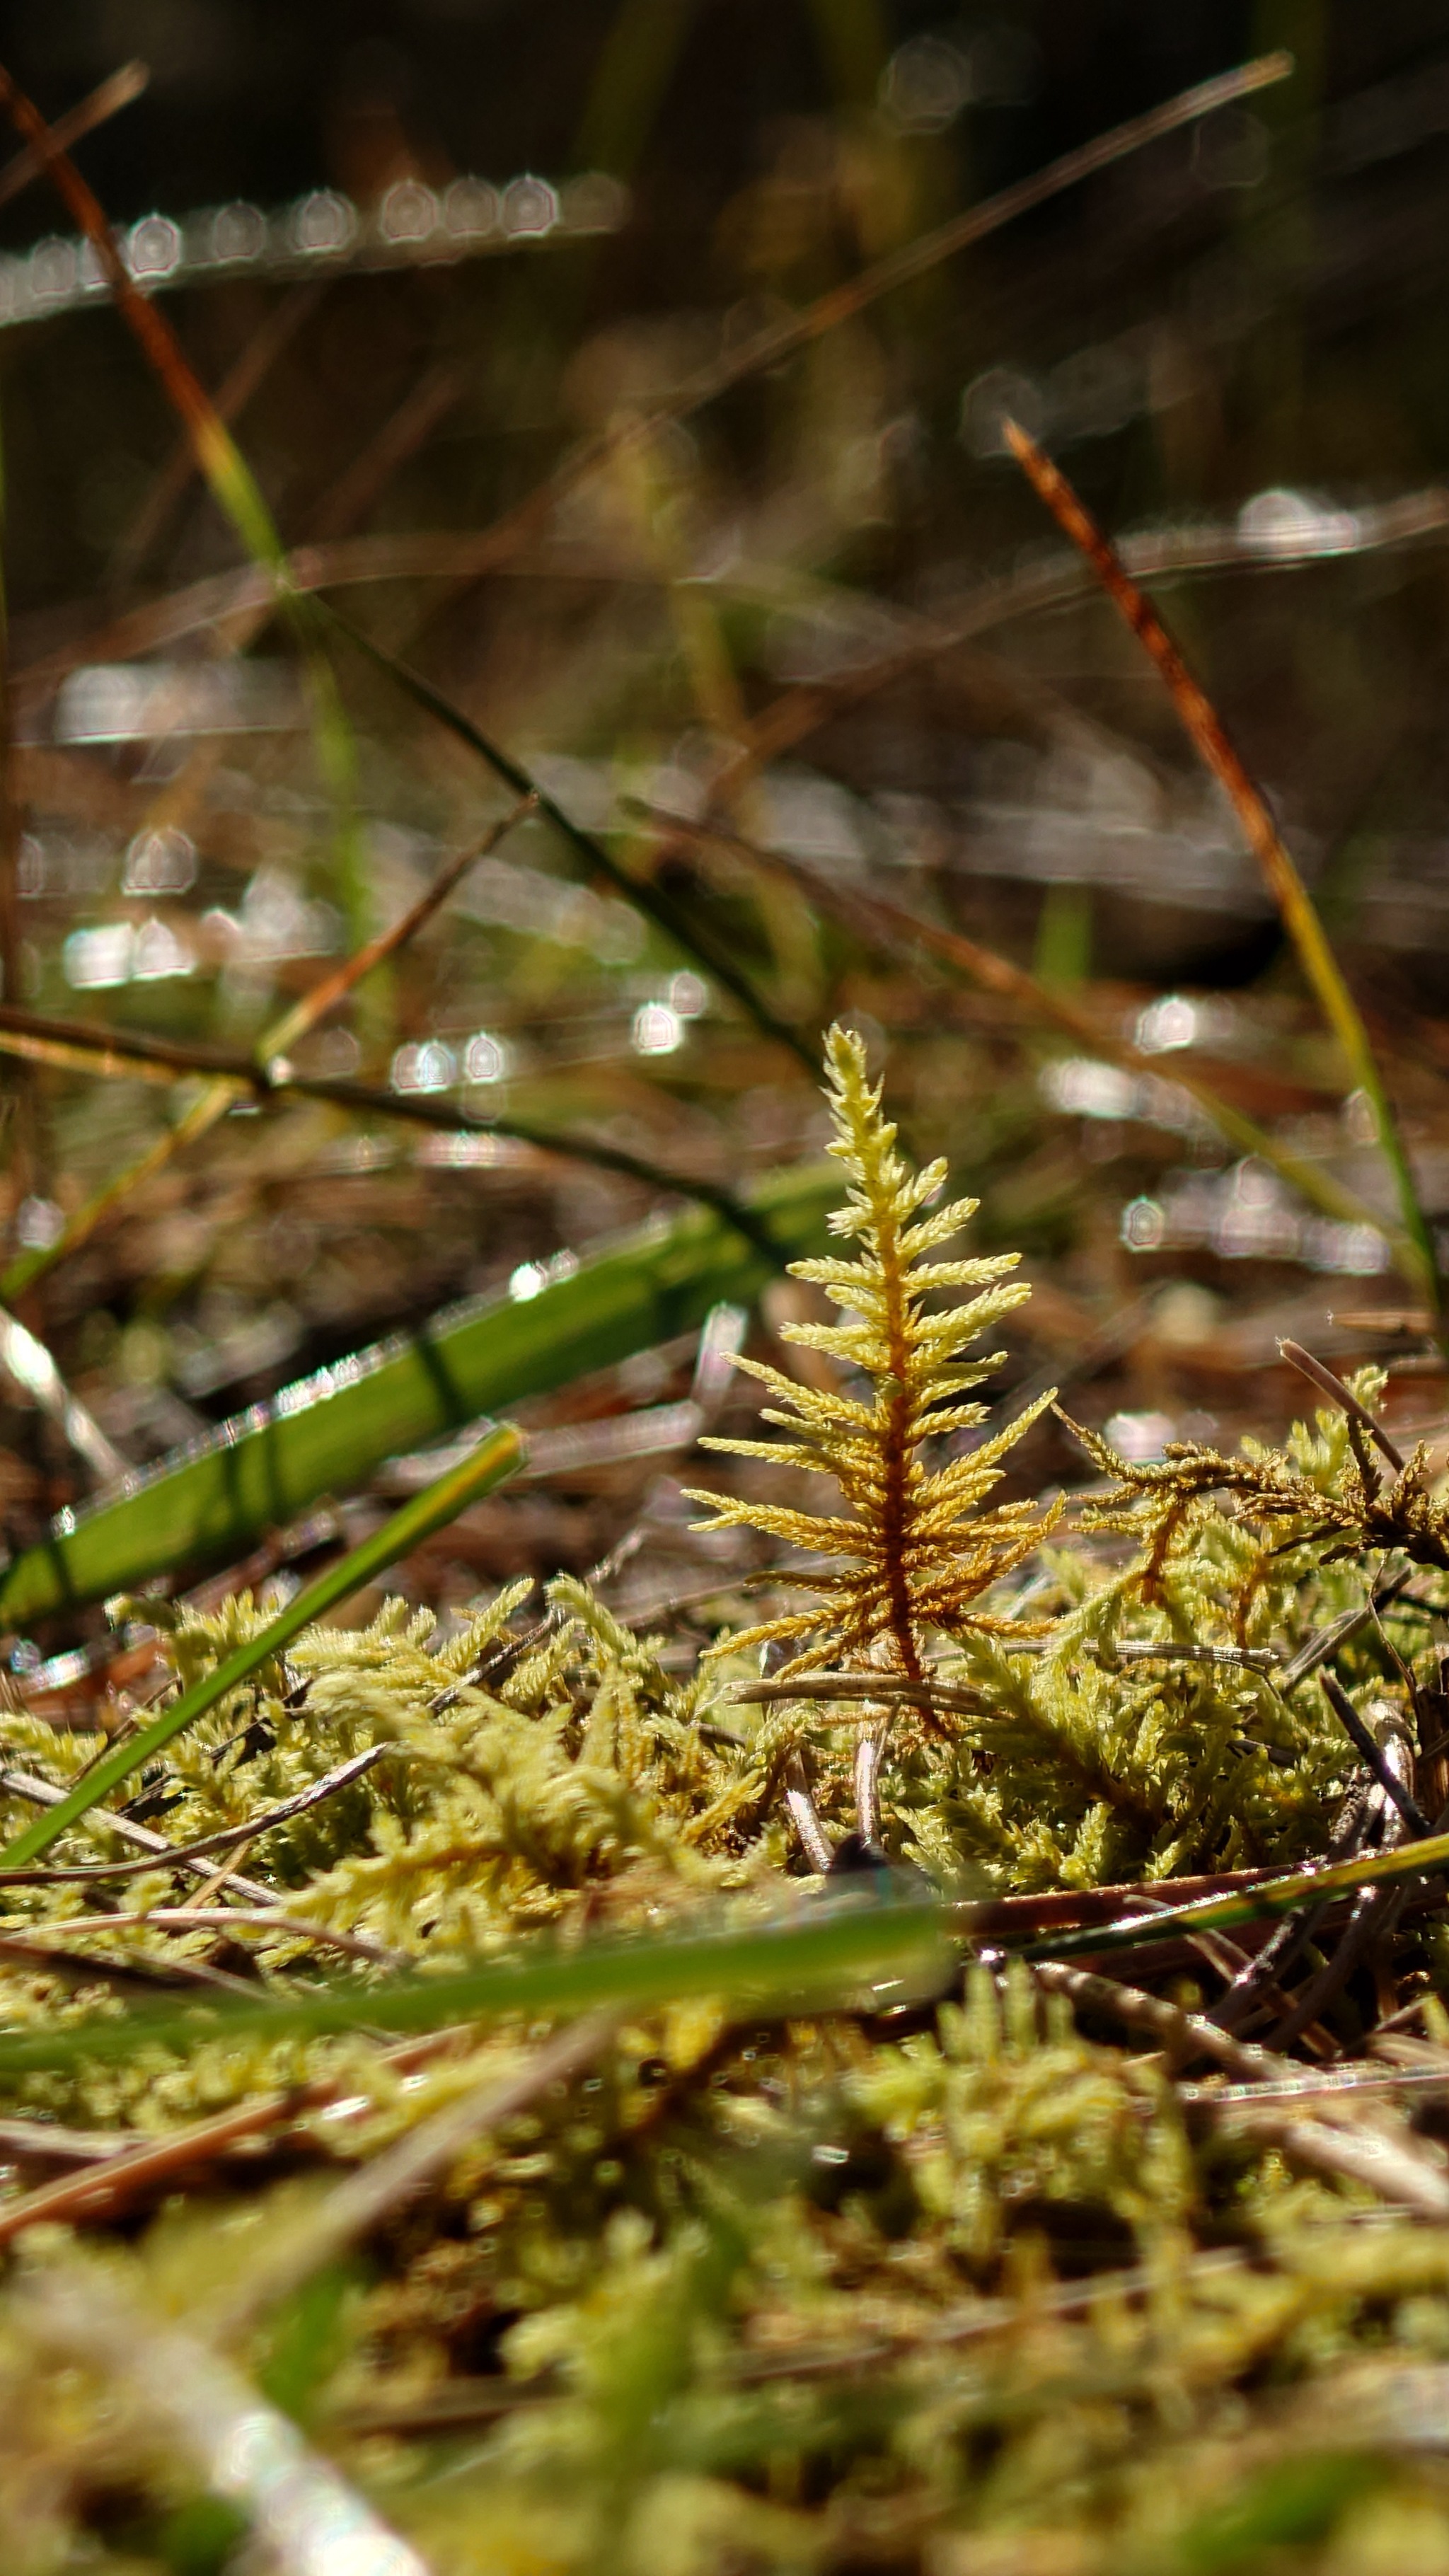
[929, 2283]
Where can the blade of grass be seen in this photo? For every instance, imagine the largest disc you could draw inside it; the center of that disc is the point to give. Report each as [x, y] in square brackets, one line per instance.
[1249, 1904]
[644, 897]
[327, 1434]
[499, 1454]
[1205, 729]
[826, 1946]
[886, 925]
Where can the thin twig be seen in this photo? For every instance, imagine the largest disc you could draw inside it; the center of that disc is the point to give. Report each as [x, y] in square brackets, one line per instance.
[859, 1686]
[428, 400]
[135, 2167]
[31, 1265]
[204, 1112]
[303, 2515]
[1184, 2035]
[1326, 1640]
[1260, 1982]
[84, 1047]
[467, 555]
[219, 460]
[1323, 2084]
[1387, 2164]
[868, 1754]
[1226, 1958]
[188, 1855]
[280, 323]
[221, 1878]
[715, 954]
[981, 2320]
[25, 1358]
[804, 1816]
[46, 2138]
[497, 1455]
[1029, 590]
[42, 1948]
[104, 1820]
[225, 598]
[1253, 1659]
[682, 1605]
[780, 340]
[1376, 1909]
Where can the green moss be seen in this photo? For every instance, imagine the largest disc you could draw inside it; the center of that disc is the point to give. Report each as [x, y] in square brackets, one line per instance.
[971, 2291]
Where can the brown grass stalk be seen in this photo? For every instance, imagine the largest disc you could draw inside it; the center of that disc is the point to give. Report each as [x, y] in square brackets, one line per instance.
[1205, 728]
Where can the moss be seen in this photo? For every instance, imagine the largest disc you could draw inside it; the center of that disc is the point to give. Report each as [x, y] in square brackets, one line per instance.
[970, 2287]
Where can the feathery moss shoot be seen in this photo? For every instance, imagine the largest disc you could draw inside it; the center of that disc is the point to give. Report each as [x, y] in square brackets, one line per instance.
[915, 1552]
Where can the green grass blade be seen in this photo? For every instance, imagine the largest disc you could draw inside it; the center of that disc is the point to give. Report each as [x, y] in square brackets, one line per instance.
[772, 1963]
[1246, 1904]
[327, 1434]
[828, 1946]
[499, 1454]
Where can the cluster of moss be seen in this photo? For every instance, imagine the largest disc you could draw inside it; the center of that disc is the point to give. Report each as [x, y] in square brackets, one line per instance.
[962, 2287]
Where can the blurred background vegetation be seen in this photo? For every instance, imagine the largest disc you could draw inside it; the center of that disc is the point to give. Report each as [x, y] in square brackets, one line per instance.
[420, 253]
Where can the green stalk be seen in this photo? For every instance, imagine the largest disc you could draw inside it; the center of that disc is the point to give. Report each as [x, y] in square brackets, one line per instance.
[826, 1946]
[1243, 1904]
[499, 1454]
[772, 1963]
